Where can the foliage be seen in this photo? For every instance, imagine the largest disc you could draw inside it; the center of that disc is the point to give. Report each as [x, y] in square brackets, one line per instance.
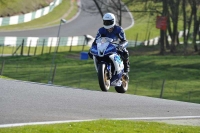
[182, 16]
[14, 7]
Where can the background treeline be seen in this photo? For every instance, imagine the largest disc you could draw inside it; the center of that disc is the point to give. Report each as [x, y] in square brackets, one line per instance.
[182, 15]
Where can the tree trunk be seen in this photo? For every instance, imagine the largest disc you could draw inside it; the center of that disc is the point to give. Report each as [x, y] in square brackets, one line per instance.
[100, 11]
[184, 27]
[174, 6]
[163, 32]
[195, 31]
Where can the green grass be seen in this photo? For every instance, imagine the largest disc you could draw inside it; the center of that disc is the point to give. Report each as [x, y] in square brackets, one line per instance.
[53, 18]
[3, 77]
[104, 126]
[181, 73]
[13, 7]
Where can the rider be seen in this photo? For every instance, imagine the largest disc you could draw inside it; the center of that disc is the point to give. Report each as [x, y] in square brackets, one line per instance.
[111, 30]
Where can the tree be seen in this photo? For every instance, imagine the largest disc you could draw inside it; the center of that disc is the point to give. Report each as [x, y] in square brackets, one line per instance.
[193, 4]
[172, 9]
[184, 26]
[114, 6]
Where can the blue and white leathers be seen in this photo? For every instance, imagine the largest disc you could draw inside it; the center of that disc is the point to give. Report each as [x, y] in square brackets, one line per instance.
[118, 63]
[116, 34]
[105, 52]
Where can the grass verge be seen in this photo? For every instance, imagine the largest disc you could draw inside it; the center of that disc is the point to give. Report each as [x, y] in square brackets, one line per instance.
[51, 19]
[13, 7]
[178, 76]
[104, 126]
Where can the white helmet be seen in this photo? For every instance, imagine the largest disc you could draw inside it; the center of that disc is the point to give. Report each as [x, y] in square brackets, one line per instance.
[108, 20]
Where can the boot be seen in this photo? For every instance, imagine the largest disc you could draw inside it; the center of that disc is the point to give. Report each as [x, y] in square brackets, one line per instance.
[126, 66]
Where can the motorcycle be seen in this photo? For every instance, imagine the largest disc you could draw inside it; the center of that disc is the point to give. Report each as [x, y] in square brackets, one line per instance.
[109, 65]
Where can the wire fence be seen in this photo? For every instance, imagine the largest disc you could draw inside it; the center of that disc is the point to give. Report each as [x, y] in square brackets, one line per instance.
[83, 75]
[39, 46]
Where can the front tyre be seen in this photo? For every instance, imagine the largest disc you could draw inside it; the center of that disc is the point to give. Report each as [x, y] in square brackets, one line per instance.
[124, 87]
[104, 81]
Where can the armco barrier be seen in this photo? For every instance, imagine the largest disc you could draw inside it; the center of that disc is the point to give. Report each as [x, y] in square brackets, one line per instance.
[52, 41]
[46, 41]
[29, 16]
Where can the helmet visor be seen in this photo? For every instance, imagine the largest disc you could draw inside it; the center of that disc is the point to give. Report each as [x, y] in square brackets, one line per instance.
[108, 22]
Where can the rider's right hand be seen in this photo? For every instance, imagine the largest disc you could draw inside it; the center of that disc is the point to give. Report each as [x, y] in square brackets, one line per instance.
[120, 47]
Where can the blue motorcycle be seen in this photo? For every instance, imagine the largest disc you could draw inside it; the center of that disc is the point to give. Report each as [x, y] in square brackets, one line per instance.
[109, 65]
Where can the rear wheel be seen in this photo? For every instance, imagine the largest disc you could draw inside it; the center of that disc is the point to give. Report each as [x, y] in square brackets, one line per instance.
[104, 81]
[124, 87]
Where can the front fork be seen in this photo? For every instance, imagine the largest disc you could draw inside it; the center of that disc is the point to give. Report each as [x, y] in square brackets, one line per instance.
[108, 67]
[95, 63]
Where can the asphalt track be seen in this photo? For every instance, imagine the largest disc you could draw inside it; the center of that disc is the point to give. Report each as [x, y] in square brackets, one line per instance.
[86, 23]
[25, 102]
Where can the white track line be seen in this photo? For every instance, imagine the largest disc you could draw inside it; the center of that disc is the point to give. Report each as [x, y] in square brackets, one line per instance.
[159, 118]
[69, 121]
[41, 123]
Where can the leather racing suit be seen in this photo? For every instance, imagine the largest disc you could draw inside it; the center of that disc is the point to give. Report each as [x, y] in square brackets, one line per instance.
[117, 33]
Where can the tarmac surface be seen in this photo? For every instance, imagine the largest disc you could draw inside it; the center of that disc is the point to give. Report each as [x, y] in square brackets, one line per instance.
[27, 102]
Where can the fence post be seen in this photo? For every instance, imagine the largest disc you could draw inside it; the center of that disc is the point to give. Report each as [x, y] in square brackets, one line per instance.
[84, 43]
[22, 48]
[36, 48]
[2, 67]
[29, 47]
[70, 49]
[13, 48]
[43, 47]
[136, 40]
[2, 51]
[162, 89]
[148, 38]
[18, 48]
[50, 46]
[54, 73]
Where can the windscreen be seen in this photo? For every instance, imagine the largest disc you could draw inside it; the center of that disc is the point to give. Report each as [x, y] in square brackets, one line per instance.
[103, 40]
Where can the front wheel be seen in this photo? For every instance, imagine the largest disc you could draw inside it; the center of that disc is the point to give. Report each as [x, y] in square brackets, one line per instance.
[124, 87]
[104, 81]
